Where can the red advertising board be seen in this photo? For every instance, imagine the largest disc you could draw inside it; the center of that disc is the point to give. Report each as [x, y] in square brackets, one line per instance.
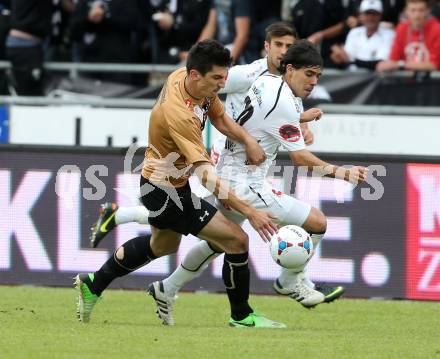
[423, 231]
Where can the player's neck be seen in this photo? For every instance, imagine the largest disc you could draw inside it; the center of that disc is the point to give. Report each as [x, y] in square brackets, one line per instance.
[191, 89]
[272, 68]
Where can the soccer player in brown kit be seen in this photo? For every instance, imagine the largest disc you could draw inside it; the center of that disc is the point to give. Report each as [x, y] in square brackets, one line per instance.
[176, 150]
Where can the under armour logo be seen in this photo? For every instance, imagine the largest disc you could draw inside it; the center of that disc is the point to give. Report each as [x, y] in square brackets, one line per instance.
[202, 218]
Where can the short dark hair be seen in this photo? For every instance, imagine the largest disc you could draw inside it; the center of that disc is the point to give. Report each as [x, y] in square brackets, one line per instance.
[206, 54]
[279, 29]
[301, 54]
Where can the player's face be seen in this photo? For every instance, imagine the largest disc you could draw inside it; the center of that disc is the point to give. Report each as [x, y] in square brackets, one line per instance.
[213, 81]
[277, 48]
[417, 13]
[302, 81]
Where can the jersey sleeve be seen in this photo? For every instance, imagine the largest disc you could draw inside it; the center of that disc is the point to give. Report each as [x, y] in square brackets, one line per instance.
[187, 136]
[217, 109]
[283, 124]
[241, 77]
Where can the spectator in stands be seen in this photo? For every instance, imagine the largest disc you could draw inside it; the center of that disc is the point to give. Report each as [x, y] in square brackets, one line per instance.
[104, 31]
[265, 13]
[368, 44]
[230, 22]
[58, 47]
[392, 10]
[30, 26]
[5, 23]
[322, 22]
[417, 43]
[175, 25]
[436, 9]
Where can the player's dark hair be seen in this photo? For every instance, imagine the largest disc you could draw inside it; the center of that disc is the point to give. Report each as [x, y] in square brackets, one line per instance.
[301, 54]
[206, 54]
[280, 29]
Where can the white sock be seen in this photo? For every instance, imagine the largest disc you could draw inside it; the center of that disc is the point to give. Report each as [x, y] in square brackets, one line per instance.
[289, 277]
[137, 214]
[307, 280]
[316, 239]
[194, 263]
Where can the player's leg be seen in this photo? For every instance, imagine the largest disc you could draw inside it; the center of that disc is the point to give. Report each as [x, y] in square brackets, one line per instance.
[132, 255]
[198, 258]
[314, 222]
[110, 215]
[230, 238]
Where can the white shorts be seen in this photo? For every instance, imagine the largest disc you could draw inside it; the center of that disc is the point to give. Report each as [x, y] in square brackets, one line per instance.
[287, 209]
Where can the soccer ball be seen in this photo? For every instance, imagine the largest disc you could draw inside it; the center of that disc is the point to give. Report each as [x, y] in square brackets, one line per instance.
[291, 247]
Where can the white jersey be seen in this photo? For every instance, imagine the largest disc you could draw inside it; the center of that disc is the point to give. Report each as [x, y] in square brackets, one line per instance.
[272, 116]
[240, 79]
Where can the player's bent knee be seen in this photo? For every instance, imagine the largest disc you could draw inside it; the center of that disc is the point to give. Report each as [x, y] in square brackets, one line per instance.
[241, 242]
[316, 222]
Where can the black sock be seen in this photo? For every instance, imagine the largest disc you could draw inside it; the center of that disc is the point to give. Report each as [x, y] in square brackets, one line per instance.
[137, 253]
[236, 276]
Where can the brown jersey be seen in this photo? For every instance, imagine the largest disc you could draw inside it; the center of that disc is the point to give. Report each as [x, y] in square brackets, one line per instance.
[175, 139]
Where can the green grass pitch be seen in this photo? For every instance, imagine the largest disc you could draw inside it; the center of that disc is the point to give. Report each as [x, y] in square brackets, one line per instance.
[40, 323]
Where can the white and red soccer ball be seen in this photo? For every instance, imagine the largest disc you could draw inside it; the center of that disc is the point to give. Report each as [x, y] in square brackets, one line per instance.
[291, 247]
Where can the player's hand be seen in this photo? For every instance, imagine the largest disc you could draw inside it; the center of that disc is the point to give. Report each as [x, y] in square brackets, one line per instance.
[308, 135]
[311, 114]
[254, 153]
[263, 223]
[356, 174]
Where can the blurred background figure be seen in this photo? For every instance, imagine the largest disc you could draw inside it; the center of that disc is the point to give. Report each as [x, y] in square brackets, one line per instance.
[30, 26]
[265, 13]
[417, 43]
[321, 22]
[171, 27]
[368, 44]
[229, 22]
[104, 31]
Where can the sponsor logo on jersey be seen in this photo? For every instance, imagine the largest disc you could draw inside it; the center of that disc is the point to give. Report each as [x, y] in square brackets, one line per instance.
[290, 133]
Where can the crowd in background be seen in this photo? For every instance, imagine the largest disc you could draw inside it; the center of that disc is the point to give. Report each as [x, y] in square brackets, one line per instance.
[374, 34]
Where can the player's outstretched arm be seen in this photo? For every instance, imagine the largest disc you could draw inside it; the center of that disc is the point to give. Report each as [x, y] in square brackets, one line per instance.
[235, 132]
[354, 174]
[261, 221]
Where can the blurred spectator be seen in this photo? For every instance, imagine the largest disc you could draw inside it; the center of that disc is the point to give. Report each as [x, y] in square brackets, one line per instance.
[229, 22]
[58, 47]
[390, 15]
[5, 23]
[104, 31]
[322, 22]
[368, 44]
[30, 25]
[265, 13]
[436, 9]
[392, 10]
[174, 26]
[417, 43]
